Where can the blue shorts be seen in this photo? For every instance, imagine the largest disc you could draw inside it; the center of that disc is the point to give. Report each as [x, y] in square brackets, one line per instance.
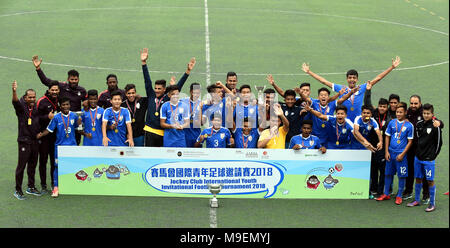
[424, 169]
[395, 167]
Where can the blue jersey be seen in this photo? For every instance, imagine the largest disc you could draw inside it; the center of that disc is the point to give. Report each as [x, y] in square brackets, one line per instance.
[339, 136]
[319, 126]
[211, 110]
[364, 129]
[249, 111]
[246, 141]
[216, 138]
[92, 121]
[400, 133]
[192, 132]
[172, 114]
[122, 117]
[65, 126]
[310, 142]
[355, 102]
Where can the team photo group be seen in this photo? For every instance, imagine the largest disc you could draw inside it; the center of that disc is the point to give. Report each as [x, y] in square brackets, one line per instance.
[404, 136]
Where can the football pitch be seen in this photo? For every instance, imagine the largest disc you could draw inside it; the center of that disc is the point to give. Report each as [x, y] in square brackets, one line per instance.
[253, 38]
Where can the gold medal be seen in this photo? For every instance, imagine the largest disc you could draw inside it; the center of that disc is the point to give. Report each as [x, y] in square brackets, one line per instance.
[116, 130]
[156, 113]
[337, 142]
[29, 121]
[398, 141]
[93, 129]
[323, 125]
[67, 135]
[133, 120]
[206, 136]
[352, 109]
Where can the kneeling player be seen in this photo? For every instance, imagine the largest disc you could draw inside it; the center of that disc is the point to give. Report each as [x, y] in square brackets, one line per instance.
[429, 143]
[215, 136]
[306, 140]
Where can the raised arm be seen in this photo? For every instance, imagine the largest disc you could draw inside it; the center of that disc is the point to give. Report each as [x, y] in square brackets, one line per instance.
[316, 113]
[147, 80]
[183, 79]
[395, 62]
[347, 96]
[305, 68]
[274, 85]
[278, 111]
[37, 64]
[14, 92]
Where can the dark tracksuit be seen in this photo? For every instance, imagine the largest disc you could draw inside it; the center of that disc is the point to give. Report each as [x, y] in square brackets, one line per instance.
[27, 143]
[76, 96]
[378, 161]
[138, 110]
[45, 105]
[152, 122]
[414, 117]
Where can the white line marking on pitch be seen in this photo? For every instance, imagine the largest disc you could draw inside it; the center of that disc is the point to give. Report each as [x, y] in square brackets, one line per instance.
[208, 73]
[207, 55]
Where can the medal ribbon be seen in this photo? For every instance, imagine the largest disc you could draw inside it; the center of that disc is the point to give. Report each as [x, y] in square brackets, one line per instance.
[243, 140]
[396, 130]
[133, 112]
[176, 111]
[118, 117]
[93, 118]
[54, 106]
[303, 145]
[66, 127]
[381, 121]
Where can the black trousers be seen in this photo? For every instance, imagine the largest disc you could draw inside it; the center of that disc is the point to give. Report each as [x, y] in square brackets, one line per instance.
[28, 157]
[377, 172]
[153, 140]
[46, 149]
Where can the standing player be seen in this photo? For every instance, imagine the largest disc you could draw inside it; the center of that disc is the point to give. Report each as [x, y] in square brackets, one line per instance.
[154, 134]
[355, 103]
[116, 124]
[137, 106]
[104, 99]
[306, 140]
[195, 106]
[215, 136]
[429, 143]
[363, 125]
[339, 128]
[245, 107]
[174, 119]
[70, 89]
[47, 106]
[92, 121]
[231, 83]
[28, 127]
[414, 115]
[399, 138]
[247, 136]
[65, 124]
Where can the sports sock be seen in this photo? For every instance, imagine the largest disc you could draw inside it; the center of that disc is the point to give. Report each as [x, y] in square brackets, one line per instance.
[432, 194]
[401, 186]
[387, 182]
[417, 190]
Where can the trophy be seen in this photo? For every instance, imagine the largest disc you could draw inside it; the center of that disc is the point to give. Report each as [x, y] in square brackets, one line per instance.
[260, 90]
[214, 189]
[79, 114]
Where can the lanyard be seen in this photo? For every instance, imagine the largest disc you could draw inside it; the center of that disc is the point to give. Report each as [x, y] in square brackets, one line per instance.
[158, 102]
[303, 145]
[54, 106]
